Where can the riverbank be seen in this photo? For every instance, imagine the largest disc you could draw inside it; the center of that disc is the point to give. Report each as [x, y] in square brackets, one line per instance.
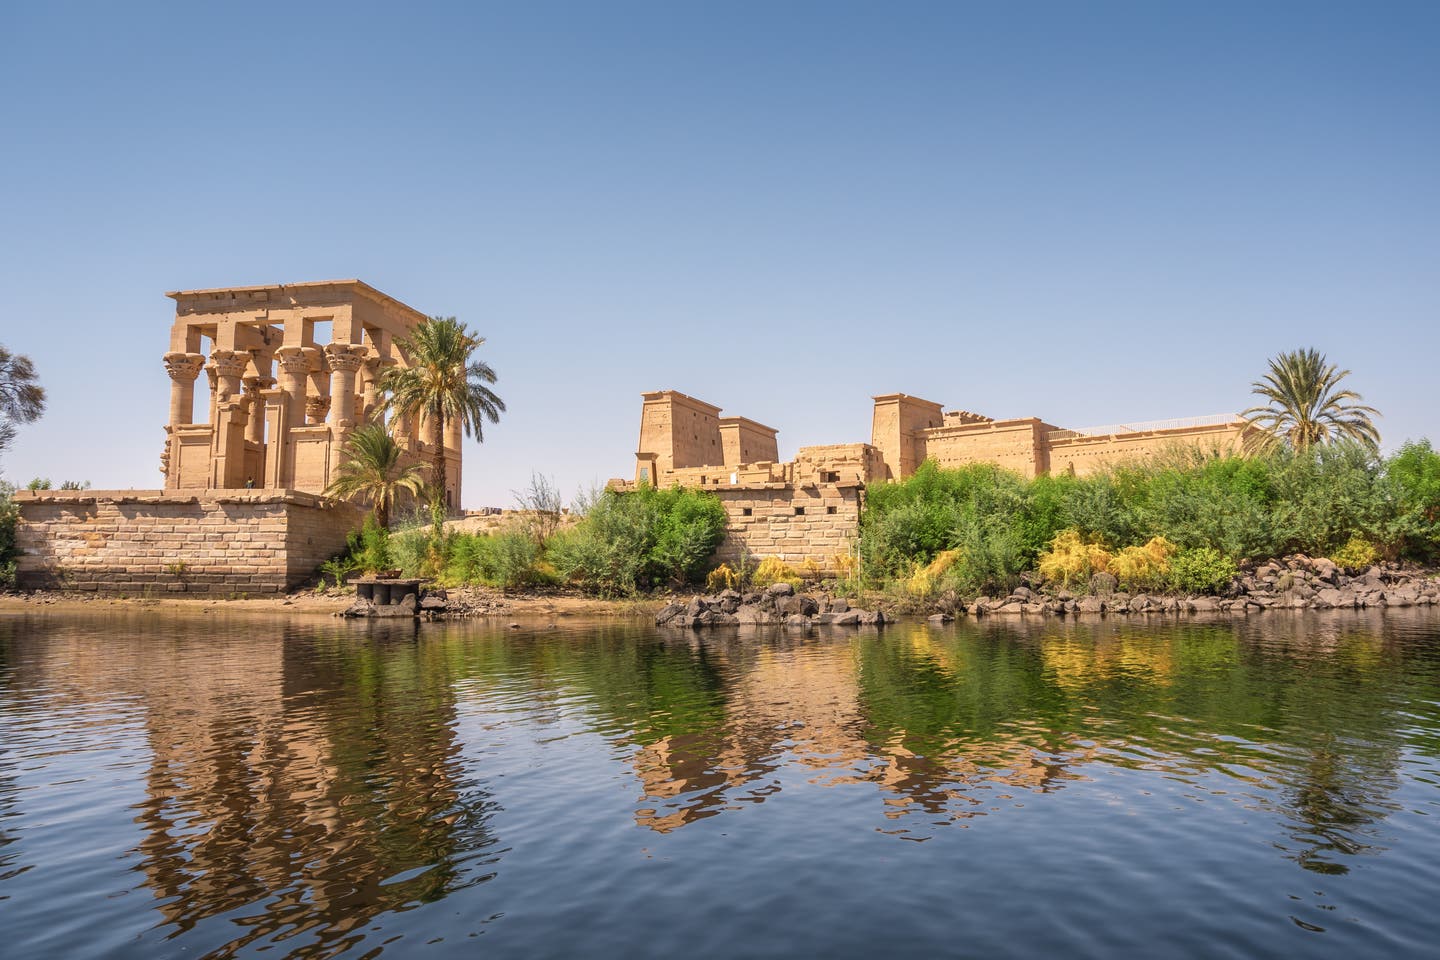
[309, 603]
[1291, 583]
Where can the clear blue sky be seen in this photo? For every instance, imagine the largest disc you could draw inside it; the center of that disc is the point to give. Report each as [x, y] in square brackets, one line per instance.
[1088, 212]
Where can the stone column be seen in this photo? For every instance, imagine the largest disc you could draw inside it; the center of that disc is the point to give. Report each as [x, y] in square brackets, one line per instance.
[345, 360]
[294, 373]
[229, 367]
[375, 368]
[183, 369]
[255, 426]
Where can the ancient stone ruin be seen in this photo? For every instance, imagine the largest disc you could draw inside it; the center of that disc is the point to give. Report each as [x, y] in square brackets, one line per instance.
[807, 510]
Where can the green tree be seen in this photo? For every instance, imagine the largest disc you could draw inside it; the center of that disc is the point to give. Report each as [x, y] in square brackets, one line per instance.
[1306, 407]
[442, 381]
[22, 399]
[371, 470]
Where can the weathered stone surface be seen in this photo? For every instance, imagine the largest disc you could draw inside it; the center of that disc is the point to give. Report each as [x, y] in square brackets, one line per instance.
[668, 613]
[781, 589]
[1103, 584]
[797, 621]
[1090, 605]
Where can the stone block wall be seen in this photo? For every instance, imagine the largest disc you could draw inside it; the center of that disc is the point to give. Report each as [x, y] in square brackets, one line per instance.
[176, 542]
[794, 523]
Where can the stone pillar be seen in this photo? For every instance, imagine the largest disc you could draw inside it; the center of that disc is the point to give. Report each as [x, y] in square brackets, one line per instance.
[294, 373]
[183, 369]
[255, 426]
[375, 368]
[229, 367]
[315, 409]
[345, 360]
[213, 378]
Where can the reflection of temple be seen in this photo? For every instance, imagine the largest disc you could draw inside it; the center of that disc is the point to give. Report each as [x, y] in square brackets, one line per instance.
[301, 788]
[803, 704]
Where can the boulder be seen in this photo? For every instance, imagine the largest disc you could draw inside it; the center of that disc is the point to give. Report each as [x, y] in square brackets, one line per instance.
[1202, 604]
[781, 589]
[1103, 584]
[360, 608]
[669, 613]
[838, 605]
[797, 621]
[1089, 605]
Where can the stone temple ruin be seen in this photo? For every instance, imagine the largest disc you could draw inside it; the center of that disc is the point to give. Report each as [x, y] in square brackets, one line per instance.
[808, 509]
[291, 371]
[287, 434]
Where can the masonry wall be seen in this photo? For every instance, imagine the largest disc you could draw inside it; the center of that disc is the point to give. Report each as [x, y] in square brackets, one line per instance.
[793, 523]
[208, 542]
[1083, 455]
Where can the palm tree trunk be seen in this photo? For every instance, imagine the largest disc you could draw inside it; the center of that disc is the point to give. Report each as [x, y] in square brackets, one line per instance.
[439, 417]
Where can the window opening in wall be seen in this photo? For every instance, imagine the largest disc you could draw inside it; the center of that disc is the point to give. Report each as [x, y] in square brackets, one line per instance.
[799, 511]
[746, 511]
[832, 509]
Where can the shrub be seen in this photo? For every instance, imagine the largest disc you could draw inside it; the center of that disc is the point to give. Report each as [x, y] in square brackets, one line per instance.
[1413, 477]
[1143, 568]
[1201, 570]
[1072, 559]
[9, 517]
[370, 547]
[774, 570]
[639, 539]
[722, 578]
[927, 579]
[1357, 554]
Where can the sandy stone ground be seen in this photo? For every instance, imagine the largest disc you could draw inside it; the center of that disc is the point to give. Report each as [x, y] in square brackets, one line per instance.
[492, 604]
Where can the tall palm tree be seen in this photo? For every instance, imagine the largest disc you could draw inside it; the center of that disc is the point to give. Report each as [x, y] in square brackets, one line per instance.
[442, 382]
[371, 470]
[1305, 407]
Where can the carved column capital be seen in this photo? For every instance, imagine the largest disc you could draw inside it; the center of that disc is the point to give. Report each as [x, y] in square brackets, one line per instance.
[256, 384]
[230, 363]
[316, 408]
[183, 367]
[294, 360]
[345, 357]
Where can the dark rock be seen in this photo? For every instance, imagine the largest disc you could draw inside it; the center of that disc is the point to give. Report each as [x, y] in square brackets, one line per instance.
[729, 595]
[1202, 604]
[1090, 605]
[838, 605]
[360, 608]
[1103, 584]
[849, 618]
[1022, 593]
[695, 607]
[433, 604]
[809, 606]
[781, 589]
[729, 604]
[750, 599]
[1033, 608]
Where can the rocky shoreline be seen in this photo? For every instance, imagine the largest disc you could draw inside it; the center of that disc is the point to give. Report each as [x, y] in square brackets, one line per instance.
[778, 605]
[1293, 583]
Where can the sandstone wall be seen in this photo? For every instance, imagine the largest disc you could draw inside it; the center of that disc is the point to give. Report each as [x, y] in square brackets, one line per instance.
[137, 541]
[793, 523]
[1081, 454]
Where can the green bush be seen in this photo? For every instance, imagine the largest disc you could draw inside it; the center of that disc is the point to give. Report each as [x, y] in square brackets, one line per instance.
[370, 547]
[506, 560]
[1201, 570]
[639, 539]
[9, 517]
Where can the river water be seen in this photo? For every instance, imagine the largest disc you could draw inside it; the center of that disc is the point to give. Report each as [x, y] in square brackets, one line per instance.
[215, 785]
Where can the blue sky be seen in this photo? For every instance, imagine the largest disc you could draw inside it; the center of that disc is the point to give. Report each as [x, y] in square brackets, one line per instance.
[1088, 212]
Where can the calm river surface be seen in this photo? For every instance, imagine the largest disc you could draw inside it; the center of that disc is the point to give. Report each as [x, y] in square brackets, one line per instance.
[215, 785]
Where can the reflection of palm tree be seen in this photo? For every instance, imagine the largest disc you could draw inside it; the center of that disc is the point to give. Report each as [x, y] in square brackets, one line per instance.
[1305, 407]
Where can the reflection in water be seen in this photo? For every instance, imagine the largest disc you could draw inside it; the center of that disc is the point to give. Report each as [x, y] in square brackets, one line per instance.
[301, 787]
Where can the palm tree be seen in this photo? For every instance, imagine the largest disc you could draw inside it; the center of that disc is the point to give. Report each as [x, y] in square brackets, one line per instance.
[371, 470]
[442, 382]
[1305, 407]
